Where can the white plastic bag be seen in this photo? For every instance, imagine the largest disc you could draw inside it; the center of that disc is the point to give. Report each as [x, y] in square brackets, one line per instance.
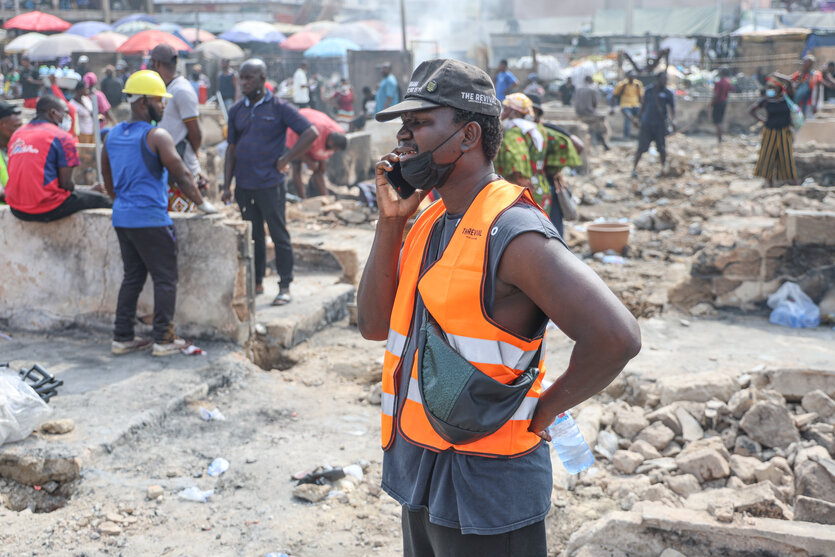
[21, 409]
[793, 308]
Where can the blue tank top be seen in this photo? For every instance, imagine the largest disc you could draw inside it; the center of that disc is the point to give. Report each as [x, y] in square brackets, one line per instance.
[140, 182]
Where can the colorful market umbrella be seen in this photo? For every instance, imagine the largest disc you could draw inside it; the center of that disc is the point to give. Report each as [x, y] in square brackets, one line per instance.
[192, 35]
[136, 17]
[301, 40]
[147, 40]
[37, 21]
[253, 32]
[24, 42]
[331, 48]
[134, 27]
[88, 28]
[109, 41]
[219, 49]
[61, 45]
[362, 34]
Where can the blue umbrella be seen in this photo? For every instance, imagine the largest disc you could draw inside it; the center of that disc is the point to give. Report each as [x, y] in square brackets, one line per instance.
[331, 48]
[253, 32]
[136, 17]
[88, 28]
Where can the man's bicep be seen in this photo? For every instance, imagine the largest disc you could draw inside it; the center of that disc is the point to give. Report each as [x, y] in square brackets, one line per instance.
[561, 285]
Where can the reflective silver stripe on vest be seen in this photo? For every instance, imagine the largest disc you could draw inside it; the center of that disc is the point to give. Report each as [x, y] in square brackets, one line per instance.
[526, 409]
[494, 352]
[396, 343]
[524, 412]
[387, 404]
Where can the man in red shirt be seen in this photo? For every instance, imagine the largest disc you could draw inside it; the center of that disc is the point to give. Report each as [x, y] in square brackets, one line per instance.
[331, 138]
[41, 158]
[720, 100]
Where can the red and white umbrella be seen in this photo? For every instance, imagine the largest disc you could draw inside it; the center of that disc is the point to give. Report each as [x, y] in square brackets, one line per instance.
[109, 41]
[37, 21]
[192, 35]
[147, 40]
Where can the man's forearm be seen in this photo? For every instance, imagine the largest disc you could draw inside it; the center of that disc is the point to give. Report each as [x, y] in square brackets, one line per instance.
[378, 286]
[304, 142]
[185, 181]
[228, 167]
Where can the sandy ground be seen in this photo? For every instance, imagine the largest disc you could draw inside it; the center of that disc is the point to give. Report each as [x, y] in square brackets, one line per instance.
[317, 413]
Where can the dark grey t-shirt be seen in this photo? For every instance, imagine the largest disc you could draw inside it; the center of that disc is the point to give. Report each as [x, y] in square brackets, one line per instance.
[477, 495]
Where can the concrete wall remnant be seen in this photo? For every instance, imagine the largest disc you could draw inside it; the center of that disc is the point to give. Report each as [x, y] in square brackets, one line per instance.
[68, 272]
[801, 249]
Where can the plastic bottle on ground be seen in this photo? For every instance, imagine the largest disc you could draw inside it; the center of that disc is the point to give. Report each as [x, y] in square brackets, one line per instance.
[569, 444]
[218, 467]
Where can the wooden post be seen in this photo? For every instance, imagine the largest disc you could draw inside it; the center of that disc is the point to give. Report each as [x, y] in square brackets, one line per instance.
[105, 6]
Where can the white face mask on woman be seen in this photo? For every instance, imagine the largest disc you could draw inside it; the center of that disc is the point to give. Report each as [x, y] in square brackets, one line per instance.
[66, 123]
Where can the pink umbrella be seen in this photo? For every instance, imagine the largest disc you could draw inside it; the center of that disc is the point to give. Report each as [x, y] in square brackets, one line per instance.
[147, 40]
[37, 21]
[301, 40]
[191, 34]
[109, 41]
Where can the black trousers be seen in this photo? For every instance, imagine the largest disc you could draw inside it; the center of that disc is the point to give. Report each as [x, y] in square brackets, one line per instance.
[147, 250]
[77, 201]
[556, 210]
[421, 538]
[267, 205]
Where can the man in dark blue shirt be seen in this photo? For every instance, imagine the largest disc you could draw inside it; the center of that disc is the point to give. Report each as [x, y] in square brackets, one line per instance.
[257, 157]
[653, 116]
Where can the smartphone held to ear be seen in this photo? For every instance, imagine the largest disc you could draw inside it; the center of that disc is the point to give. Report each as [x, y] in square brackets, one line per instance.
[395, 178]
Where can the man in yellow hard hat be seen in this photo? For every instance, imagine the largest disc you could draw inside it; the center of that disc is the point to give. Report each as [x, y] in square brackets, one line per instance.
[135, 161]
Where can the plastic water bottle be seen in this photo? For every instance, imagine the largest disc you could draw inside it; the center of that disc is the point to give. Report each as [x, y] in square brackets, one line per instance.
[569, 444]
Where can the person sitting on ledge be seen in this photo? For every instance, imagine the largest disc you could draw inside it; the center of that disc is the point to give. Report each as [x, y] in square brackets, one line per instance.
[42, 155]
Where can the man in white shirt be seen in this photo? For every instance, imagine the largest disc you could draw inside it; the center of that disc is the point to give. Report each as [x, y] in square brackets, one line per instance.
[301, 89]
[181, 119]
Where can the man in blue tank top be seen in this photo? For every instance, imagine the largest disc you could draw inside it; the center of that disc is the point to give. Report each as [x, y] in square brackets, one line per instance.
[136, 160]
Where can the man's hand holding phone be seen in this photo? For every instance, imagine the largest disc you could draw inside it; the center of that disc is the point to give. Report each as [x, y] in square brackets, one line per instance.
[392, 204]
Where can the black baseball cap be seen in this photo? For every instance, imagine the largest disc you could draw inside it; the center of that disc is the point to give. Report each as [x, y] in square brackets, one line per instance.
[7, 109]
[446, 82]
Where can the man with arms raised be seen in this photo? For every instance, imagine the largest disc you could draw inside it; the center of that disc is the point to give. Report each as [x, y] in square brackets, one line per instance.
[479, 266]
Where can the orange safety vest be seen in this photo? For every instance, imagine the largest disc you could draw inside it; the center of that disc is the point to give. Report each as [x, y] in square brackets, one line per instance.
[452, 290]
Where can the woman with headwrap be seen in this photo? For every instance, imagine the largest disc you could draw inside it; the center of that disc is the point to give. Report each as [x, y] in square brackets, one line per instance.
[776, 159]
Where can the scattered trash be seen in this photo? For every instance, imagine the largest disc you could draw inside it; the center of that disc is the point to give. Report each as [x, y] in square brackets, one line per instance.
[192, 350]
[613, 259]
[319, 476]
[21, 409]
[218, 467]
[41, 381]
[196, 494]
[215, 415]
[793, 308]
[5, 336]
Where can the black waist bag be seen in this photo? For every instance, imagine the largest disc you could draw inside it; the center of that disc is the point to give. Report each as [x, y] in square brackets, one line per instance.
[462, 403]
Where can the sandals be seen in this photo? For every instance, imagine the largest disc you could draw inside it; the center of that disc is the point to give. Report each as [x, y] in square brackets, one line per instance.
[282, 299]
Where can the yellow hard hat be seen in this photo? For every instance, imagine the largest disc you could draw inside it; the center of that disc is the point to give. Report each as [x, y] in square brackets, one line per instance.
[145, 82]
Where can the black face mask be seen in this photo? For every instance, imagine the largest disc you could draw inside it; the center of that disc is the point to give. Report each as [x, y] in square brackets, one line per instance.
[152, 112]
[423, 173]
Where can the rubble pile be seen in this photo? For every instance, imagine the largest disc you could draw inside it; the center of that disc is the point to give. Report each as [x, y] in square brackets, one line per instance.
[761, 445]
[342, 208]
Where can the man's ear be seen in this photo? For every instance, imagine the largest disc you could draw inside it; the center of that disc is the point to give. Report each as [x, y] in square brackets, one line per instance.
[472, 136]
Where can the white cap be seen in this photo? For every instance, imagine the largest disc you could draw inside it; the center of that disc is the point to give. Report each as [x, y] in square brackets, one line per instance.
[83, 58]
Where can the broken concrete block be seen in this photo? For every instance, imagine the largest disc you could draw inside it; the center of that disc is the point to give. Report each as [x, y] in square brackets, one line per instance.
[815, 477]
[746, 446]
[818, 402]
[658, 435]
[809, 509]
[155, 492]
[311, 492]
[629, 422]
[770, 425]
[823, 435]
[803, 421]
[745, 467]
[626, 461]
[667, 416]
[691, 429]
[777, 471]
[58, 427]
[663, 464]
[706, 464]
[723, 511]
[758, 499]
[108, 528]
[794, 384]
[698, 388]
[643, 448]
[684, 484]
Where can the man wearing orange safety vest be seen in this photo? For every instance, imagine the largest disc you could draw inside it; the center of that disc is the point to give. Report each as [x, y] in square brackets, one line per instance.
[475, 281]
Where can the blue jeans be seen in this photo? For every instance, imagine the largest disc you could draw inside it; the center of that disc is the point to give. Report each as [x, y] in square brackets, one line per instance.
[627, 123]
